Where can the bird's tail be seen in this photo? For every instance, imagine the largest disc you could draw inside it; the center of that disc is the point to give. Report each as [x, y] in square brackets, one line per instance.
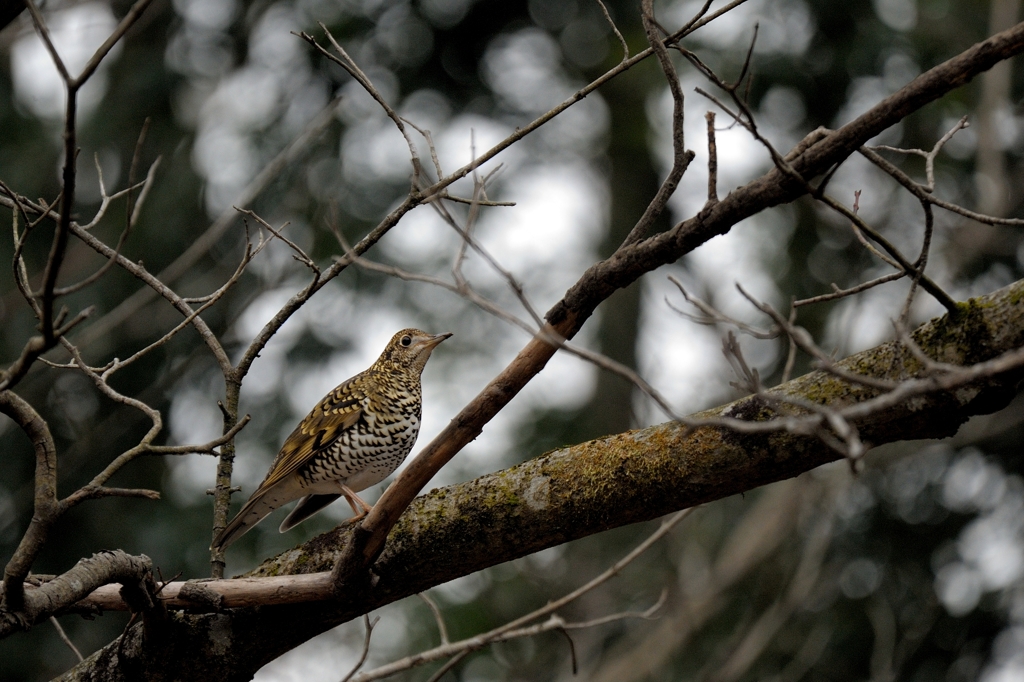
[254, 511]
[307, 506]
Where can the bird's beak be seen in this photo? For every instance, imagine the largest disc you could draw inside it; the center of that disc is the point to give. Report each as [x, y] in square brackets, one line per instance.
[424, 346]
[436, 339]
[427, 342]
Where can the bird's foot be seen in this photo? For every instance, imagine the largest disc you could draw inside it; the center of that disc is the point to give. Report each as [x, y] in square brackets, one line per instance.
[359, 507]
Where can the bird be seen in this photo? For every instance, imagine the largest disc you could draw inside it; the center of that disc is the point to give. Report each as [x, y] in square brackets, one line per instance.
[354, 438]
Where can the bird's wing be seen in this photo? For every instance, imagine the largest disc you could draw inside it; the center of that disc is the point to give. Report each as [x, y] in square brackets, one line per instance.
[336, 413]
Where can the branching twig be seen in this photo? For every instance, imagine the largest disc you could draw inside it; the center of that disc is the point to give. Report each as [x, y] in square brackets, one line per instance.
[787, 371]
[146, 185]
[681, 156]
[451, 663]
[746, 118]
[58, 246]
[300, 255]
[368, 625]
[921, 193]
[806, 343]
[838, 293]
[288, 155]
[713, 316]
[518, 627]
[346, 62]
[929, 156]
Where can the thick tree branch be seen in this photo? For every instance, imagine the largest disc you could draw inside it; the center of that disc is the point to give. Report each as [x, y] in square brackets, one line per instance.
[112, 566]
[577, 491]
[631, 261]
[45, 508]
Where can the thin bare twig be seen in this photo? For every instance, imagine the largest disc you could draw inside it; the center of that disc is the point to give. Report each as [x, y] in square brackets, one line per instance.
[172, 297]
[140, 272]
[838, 293]
[699, 20]
[44, 34]
[133, 216]
[67, 640]
[369, 625]
[712, 159]
[859, 234]
[929, 156]
[451, 663]
[787, 371]
[615, 29]
[208, 448]
[430, 145]
[300, 255]
[126, 23]
[58, 246]
[904, 264]
[95, 492]
[750, 380]
[346, 62]
[681, 156]
[572, 645]
[924, 192]
[204, 301]
[746, 119]
[806, 343]
[290, 153]
[922, 259]
[438, 618]
[712, 316]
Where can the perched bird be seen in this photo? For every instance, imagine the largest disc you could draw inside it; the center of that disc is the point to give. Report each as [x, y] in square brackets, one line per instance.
[353, 439]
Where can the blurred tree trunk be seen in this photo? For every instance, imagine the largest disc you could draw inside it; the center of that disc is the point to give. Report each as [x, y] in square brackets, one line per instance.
[993, 185]
[994, 191]
[633, 182]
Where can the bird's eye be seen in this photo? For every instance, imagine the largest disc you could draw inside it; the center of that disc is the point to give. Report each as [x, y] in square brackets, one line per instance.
[406, 340]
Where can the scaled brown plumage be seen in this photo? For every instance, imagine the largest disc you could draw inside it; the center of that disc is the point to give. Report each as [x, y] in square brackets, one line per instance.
[353, 439]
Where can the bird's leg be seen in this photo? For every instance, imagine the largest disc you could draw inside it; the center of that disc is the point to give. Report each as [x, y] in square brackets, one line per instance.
[362, 509]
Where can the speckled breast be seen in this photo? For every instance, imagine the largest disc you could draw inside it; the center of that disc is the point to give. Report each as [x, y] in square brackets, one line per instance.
[374, 446]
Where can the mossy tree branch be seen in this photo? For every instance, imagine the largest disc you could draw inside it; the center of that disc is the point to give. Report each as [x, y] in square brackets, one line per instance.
[584, 489]
[816, 155]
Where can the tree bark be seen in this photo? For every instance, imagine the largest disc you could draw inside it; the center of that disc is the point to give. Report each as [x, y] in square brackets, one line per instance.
[581, 490]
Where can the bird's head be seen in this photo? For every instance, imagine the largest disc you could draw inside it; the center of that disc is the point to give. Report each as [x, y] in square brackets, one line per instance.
[409, 350]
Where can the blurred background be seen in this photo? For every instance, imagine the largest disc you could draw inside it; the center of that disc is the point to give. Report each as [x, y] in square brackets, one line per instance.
[913, 569]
